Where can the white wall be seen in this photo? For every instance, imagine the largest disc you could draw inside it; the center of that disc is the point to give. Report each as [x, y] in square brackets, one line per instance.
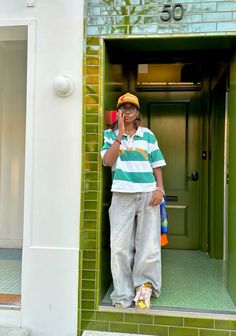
[52, 164]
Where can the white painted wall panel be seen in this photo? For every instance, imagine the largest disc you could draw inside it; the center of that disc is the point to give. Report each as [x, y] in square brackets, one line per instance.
[52, 163]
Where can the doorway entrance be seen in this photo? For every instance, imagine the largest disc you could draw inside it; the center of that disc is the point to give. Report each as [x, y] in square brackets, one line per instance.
[182, 91]
[13, 64]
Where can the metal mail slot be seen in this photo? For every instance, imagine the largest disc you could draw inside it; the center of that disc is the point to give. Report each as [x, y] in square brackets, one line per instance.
[171, 198]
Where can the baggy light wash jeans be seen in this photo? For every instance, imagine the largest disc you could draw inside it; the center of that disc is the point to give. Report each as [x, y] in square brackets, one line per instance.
[135, 245]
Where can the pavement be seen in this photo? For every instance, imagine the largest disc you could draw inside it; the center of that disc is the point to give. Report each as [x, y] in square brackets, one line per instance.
[14, 332]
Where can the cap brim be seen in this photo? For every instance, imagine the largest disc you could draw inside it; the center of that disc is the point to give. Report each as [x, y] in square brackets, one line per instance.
[127, 102]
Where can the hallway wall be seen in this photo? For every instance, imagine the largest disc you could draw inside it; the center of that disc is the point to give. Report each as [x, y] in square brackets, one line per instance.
[13, 59]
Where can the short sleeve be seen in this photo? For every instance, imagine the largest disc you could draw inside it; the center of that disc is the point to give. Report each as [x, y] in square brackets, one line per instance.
[155, 154]
[108, 139]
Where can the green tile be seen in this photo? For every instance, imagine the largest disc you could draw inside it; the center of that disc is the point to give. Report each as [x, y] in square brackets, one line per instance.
[100, 20]
[153, 330]
[198, 323]
[92, 60]
[92, 167]
[140, 318]
[92, 118]
[92, 156]
[228, 325]
[88, 315]
[91, 99]
[91, 79]
[100, 2]
[89, 264]
[104, 316]
[109, 30]
[127, 20]
[233, 333]
[91, 11]
[95, 325]
[124, 327]
[92, 108]
[119, 10]
[88, 304]
[128, 2]
[88, 275]
[143, 10]
[91, 186]
[141, 29]
[91, 176]
[89, 234]
[168, 320]
[90, 214]
[86, 284]
[174, 331]
[88, 294]
[92, 138]
[89, 255]
[91, 128]
[90, 244]
[91, 205]
[93, 89]
[90, 196]
[92, 70]
[91, 147]
[150, 19]
[206, 332]
[92, 50]
[92, 41]
[217, 16]
[92, 30]
[89, 224]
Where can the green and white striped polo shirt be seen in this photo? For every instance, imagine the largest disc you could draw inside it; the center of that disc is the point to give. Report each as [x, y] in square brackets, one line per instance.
[138, 155]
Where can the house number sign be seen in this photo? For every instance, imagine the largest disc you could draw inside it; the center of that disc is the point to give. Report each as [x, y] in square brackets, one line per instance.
[175, 12]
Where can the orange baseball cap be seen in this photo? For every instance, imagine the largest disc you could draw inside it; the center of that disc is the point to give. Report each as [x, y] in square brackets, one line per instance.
[128, 98]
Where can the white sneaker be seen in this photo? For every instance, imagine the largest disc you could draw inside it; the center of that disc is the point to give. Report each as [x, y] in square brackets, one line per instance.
[143, 296]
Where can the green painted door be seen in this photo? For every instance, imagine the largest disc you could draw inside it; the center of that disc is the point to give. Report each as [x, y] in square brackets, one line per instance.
[232, 184]
[175, 119]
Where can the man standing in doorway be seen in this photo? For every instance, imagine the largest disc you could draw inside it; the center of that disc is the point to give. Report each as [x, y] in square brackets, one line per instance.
[137, 191]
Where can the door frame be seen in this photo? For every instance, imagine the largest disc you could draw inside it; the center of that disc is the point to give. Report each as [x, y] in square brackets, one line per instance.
[205, 131]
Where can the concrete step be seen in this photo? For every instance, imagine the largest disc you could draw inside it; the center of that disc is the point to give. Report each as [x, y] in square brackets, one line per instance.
[107, 333]
[14, 332]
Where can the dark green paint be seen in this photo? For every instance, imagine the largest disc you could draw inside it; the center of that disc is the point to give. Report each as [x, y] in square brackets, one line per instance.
[232, 184]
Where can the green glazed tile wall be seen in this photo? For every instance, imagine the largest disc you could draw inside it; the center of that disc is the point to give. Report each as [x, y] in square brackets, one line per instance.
[121, 18]
[142, 17]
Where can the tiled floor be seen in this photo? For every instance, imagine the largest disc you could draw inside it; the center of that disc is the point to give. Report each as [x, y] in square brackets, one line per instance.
[10, 271]
[191, 280]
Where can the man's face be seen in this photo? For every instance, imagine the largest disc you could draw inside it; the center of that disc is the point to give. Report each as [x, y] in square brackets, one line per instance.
[129, 111]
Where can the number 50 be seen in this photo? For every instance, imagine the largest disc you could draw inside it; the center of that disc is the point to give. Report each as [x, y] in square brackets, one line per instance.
[169, 12]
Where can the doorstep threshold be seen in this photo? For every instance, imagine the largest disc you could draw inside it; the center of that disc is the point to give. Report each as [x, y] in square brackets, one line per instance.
[106, 333]
[9, 306]
[177, 312]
